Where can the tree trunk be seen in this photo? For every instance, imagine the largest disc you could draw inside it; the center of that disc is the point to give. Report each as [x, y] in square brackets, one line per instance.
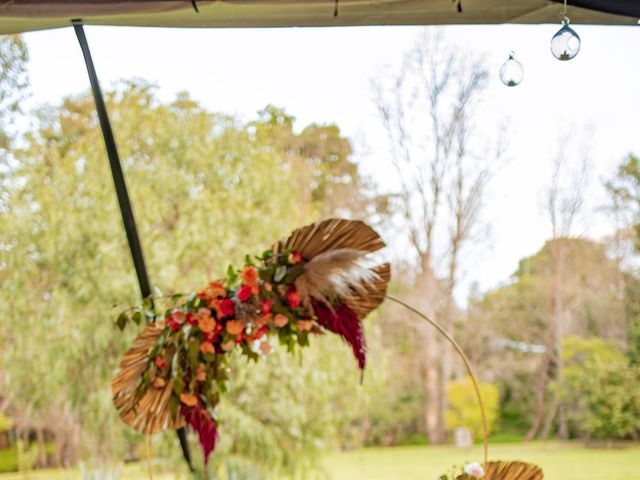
[428, 292]
[541, 390]
[432, 406]
[42, 452]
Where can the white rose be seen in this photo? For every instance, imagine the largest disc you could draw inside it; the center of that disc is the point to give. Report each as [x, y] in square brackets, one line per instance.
[474, 470]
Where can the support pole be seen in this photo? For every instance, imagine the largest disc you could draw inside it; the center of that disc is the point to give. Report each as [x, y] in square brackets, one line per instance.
[121, 191]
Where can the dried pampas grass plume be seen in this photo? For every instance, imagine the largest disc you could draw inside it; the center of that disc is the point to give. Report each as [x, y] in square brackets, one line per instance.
[335, 273]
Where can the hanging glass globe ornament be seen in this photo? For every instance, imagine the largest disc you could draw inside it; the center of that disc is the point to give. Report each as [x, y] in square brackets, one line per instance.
[511, 71]
[565, 44]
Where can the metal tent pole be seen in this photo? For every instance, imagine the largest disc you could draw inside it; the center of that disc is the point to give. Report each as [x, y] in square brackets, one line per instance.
[121, 191]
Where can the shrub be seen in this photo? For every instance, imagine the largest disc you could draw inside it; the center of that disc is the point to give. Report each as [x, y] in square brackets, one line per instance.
[464, 411]
[600, 388]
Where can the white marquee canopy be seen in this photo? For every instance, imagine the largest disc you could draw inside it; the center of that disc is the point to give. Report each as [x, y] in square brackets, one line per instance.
[27, 15]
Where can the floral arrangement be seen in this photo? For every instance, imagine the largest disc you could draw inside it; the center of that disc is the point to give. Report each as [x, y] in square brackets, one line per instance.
[317, 280]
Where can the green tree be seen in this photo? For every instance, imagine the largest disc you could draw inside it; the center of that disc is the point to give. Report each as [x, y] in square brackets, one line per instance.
[515, 320]
[624, 189]
[602, 388]
[14, 81]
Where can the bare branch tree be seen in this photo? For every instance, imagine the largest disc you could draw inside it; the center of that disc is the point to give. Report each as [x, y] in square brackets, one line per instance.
[564, 202]
[428, 110]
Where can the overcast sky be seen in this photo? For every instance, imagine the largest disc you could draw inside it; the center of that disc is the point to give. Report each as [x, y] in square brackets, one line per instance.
[323, 75]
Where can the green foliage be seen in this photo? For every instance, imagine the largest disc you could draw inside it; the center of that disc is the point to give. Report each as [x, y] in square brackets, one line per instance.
[625, 194]
[600, 388]
[14, 81]
[5, 422]
[8, 460]
[464, 410]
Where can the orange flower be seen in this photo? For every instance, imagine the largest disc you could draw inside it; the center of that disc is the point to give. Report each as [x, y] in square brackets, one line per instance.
[188, 399]
[280, 320]
[159, 383]
[265, 348]
[213, 294]
[206, 323]
[228, 345]
[304, 325]
[207, 347]
[217, 290]
[235, 327]
[267, 286]
[249, 276]
[263, 320]
[203, 294]
[201, 373]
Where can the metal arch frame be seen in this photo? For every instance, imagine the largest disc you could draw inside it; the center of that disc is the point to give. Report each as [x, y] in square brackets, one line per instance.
[120, 185]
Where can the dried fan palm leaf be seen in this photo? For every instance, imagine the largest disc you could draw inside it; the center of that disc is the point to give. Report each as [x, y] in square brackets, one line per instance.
[152, 413]
[374, 294]
[331, 234]
[515, 470]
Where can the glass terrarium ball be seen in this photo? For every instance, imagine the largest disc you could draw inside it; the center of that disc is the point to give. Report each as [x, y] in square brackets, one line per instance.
[565, 44]
[511, 71]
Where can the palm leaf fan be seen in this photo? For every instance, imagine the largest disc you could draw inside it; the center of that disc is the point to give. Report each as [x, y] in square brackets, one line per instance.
[149, 413]
[337, 284]
[515, 470]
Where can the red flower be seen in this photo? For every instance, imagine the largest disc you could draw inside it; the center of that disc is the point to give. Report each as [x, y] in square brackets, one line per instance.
[228, 308]
[240, 338]
[293, 298]
[172, 324]
[192, 319]
[244, 293]
[159, 361]
[265, 307]
[295, 257]
[212, 336]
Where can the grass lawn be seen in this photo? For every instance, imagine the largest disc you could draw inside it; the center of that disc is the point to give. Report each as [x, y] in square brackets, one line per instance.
[560, 462]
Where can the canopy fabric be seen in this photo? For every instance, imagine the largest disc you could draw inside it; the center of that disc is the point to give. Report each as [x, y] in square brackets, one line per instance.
[26, 15]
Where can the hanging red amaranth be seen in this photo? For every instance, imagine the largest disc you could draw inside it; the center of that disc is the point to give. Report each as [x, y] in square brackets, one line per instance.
[203, 423]
[343, 321]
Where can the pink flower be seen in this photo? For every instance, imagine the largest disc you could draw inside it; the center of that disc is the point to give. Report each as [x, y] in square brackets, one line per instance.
[178, 316]
[244, 293]
[474, 470]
